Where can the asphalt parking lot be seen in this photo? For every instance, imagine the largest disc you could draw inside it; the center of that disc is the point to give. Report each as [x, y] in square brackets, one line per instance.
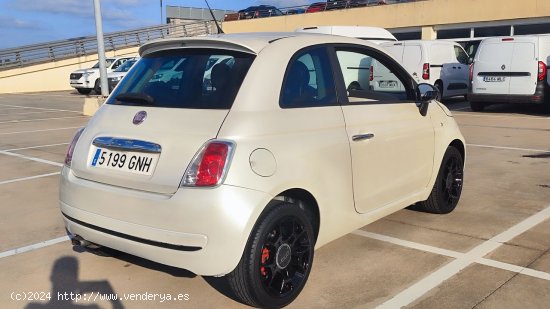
[493, 251]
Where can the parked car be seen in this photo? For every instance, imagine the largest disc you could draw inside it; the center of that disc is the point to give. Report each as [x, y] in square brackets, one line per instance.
[511, 70]
[360, 3]
[116, 76]
[443, 64]
[316, 7]
[259, 11]
[86, 80]
[245, 178]
[372, 34]
[337, 4]
[295, 11]
[231, 16]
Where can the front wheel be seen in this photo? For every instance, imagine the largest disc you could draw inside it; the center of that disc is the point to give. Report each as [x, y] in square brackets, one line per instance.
[84, 90]
[477, 106]
[97, 86]
[448, 185]
[277, 259]
[439, 87]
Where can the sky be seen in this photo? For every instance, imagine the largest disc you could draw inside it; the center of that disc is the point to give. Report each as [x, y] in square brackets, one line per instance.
[24, 22]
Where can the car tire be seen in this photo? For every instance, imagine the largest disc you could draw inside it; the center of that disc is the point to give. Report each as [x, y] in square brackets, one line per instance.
[277, 259]
[448, 184]
[439, 86]
[97, 86]
[477, 106]
[84, 90]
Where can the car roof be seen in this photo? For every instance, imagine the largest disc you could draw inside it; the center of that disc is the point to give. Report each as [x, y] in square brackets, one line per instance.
[250, 42]
[372, 33]
[422, 42]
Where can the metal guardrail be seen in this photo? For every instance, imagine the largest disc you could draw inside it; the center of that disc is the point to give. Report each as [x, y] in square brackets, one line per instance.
[58, 50]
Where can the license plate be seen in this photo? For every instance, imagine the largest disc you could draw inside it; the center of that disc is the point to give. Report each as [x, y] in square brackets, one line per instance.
[390, 84]
[124, 161]
[494, 79]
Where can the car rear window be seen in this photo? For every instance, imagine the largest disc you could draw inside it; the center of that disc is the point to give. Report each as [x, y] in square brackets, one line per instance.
[184, 78]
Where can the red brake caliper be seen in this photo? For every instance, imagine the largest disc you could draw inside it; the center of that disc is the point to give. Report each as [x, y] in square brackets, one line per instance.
[265, 257]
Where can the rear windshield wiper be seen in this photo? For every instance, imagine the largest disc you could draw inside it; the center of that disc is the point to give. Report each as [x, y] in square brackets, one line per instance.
[139, 98]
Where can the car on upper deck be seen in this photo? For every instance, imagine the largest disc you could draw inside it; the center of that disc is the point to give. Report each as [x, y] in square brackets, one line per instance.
[243, 174]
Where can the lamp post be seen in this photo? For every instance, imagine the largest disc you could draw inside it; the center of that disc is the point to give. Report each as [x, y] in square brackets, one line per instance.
[101, 50]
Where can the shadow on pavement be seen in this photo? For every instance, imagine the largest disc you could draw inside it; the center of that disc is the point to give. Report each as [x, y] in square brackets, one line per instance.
[66, 288]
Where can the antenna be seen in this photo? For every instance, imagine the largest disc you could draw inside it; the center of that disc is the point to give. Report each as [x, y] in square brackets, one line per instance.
[214, 18]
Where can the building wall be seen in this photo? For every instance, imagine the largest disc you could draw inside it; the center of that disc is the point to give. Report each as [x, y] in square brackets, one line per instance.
[425, 14]
[51, 76]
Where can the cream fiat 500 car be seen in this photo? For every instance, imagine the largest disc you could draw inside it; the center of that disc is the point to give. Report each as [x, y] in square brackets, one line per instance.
[244, 177]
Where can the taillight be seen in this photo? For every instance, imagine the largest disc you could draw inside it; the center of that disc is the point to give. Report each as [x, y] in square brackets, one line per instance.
[471, 75]
[210, 164]
[542, 71]
[426, 71]
[70, 151]
[371, 73]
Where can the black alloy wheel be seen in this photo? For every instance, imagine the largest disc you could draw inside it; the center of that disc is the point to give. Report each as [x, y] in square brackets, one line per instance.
[452, 181]
[277, 259]
[448, 185]
[285, 261]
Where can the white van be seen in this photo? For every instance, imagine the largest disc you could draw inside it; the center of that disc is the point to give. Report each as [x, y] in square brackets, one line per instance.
[360, 77]
[511, 70]
[375, 35]
[443, 64]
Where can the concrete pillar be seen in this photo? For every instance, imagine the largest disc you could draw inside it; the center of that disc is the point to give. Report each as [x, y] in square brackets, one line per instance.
[429, 33]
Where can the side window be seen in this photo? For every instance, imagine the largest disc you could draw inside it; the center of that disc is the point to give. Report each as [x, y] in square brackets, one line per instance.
[116, 64]
[461, 55]
[368, 79]
[308, 81]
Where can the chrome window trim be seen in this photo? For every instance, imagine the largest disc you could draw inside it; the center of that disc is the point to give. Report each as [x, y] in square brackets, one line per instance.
[126, 144]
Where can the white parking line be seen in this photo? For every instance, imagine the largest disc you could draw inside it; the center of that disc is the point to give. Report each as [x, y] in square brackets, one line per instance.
[30, 158]
[453, 254]
[35, 131]
[5, 182]
[41, 119]
[421, 287]
[500, 116]
[507, 148]
[41, 108]
[9, 108]
[42, 94]
[34, 246]
[515, 268]
[35, 147]
[28, 113]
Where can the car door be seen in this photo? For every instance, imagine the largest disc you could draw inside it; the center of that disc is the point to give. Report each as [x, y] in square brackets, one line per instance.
[524, 68]
[492, 67]
[459, 82]
[391, 143]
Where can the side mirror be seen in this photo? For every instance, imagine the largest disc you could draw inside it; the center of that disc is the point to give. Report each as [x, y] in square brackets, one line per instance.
[425, 93]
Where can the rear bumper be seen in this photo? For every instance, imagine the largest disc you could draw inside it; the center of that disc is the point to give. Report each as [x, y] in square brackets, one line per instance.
[538, 97]
[201, 230]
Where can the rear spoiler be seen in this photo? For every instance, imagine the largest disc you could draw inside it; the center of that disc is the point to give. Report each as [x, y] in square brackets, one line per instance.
[214, 42]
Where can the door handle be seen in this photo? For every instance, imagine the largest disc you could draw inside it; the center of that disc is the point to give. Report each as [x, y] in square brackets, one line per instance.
[361, 137]
[454, 67]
